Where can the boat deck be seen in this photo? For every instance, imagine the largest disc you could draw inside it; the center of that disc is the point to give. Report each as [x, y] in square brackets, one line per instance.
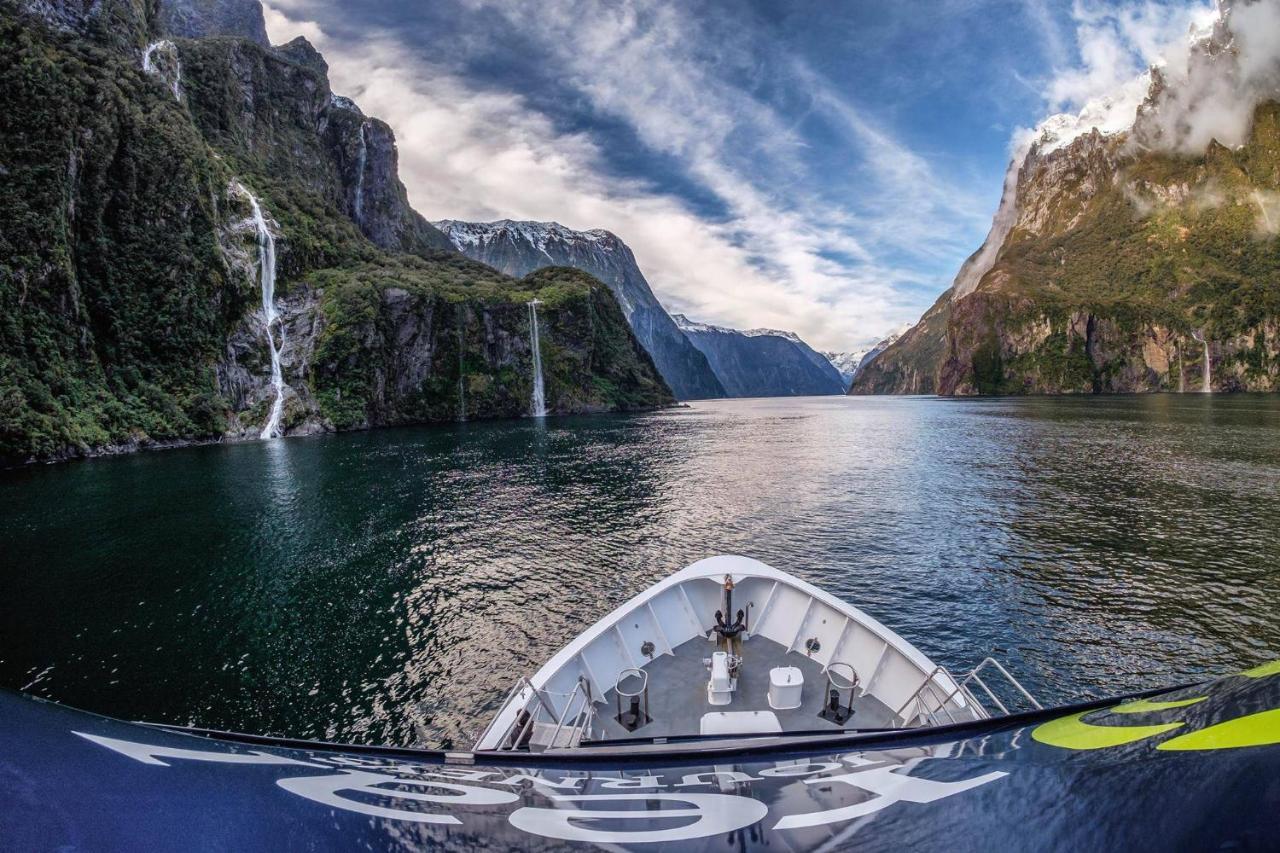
[678, 693]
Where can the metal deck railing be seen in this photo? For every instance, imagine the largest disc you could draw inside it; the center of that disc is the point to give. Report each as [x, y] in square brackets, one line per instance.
[538, 725]
[933, 707]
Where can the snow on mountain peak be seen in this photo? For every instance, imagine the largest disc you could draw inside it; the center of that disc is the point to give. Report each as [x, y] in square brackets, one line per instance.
[537, 234]
[688, 325]
[775, 333]
[1109, 114]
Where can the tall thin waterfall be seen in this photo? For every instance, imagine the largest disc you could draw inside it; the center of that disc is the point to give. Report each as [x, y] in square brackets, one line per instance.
[149, 64]
[1208, 370]
[1207, 385]
[539, 392]
[267, 276]
[1266, 217]
[462, 391]
[362, 157]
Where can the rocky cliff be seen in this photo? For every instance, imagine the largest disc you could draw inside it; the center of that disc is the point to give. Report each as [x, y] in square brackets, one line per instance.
[1135, 247]
[519, 248]
[132, 272]
[763, 362]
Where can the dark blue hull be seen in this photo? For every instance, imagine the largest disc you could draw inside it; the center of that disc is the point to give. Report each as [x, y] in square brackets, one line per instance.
[1191, 769]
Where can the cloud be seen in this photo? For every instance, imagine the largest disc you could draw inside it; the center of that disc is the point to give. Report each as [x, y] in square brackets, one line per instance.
[838, 272]
[1055, 45]
[1117, 43]
[1214, 84]
[1215, 63]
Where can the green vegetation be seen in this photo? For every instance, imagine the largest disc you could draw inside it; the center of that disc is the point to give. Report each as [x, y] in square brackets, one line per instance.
[113, 296]
[1148, 248]
[591, 361]
[125, 268]
[1174, 243]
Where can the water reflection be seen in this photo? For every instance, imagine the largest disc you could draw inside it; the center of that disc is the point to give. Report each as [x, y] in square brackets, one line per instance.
[386, 586]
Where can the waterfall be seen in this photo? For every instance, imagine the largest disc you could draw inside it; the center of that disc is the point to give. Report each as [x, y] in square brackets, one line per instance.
[539, 394]
[361, 158]
[267, 276]
[462, 392]
[1207, 386]
[150, 67]
[1208, 370]
[1266, 217]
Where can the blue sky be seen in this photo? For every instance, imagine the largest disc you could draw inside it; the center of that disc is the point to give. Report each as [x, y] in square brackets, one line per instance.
[823, 167]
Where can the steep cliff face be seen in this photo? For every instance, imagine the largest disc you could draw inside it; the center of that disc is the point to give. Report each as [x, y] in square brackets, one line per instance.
[273, 112]
[519, 248]
[1132, 257]
[191, 20]
[1131, 272]
[375, 199]
[763, 362]
[115, 298]
[131, 270]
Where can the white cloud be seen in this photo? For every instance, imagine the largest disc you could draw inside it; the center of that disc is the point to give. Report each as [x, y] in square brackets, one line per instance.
[1041, 15]
[471, 153]
[1118, 43]
[1207, 94]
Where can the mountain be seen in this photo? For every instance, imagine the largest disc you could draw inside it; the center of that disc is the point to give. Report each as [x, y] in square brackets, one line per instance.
[199, 241]
[762, 362]
[846, 363]
[1135, 246]
[851, 364]
[519, 248]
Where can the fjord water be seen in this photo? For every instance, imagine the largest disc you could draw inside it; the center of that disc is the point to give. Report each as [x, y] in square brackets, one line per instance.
[385, 587]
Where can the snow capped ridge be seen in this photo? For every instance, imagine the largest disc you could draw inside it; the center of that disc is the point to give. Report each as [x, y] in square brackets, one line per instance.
[687, 325]
[775, 333]
[537, 234]
[1211, 68]
[846, 363]
[1109, 114]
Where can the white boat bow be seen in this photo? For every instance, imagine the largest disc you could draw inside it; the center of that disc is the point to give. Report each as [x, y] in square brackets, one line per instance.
[730, 645]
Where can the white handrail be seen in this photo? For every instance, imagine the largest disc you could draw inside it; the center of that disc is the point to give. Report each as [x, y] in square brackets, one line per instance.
[585, 689]
[962, 688]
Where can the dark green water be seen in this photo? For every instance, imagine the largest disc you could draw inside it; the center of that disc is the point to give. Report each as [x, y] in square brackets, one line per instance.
[387, 586]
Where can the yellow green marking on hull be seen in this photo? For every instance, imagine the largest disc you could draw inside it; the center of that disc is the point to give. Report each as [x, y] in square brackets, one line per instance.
[1263, 671]
[1072, 732]
[1261, 729]
[1144, 706]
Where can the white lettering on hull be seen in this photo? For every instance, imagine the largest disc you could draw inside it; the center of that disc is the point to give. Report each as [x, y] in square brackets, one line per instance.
[325, 790]
[715, 814]
[572, 818]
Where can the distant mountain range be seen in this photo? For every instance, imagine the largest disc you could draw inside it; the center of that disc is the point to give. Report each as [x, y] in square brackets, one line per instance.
[763, 362]
[697, 360]
[846, 363]
[849, 364]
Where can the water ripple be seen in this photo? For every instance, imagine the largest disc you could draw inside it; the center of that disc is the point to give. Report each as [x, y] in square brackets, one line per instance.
[386, 587]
